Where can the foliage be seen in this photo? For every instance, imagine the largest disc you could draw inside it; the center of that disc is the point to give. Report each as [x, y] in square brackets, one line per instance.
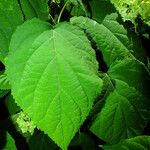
[73, 75]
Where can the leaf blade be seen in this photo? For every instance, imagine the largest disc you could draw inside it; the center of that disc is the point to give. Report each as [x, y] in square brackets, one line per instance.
[59, 93]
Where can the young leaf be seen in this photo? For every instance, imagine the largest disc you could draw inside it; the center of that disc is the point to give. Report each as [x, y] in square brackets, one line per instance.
[136, 143]
[109, 36]
[54, 78]
[10, 18]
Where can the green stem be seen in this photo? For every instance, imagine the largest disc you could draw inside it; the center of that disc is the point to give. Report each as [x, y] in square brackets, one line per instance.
[52, 18]
[60, 14]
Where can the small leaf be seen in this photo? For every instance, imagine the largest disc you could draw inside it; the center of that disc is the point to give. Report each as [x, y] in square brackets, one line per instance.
[50, 74]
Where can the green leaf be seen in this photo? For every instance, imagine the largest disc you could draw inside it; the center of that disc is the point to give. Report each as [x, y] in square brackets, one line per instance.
[79, 10]
[131, 71]
[100, 8]
[50, 75]
[11, 105]
[3, 93]
[10, 18]
[4, 83]
[84, 141]
[34, 8]
[40, 141]
[110, 37]
[124, 115]
[28, 9]
[136, 143]
[10, 145]
[128, 99]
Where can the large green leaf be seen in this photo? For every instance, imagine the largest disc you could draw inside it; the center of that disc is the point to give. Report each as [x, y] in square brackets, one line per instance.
[34, 8]
[110, 37]
[54, 78]
[126, 109]
[125, 114]
[137, 143]
[10, 18]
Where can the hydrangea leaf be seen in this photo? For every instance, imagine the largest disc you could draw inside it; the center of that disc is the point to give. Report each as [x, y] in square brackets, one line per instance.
[34, 8]
[8, 9]
[110, 37]
[131, 71]
[4, 83]
[136, 143]
[115, 121]
[50, 74]
[3, 93]
[11, 105]
[128, 100]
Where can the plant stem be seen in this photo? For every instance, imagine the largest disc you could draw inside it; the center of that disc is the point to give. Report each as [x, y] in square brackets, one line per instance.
[52, 18]
[60, 14]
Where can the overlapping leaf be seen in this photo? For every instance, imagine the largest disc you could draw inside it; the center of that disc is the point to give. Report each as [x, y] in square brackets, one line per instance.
[115, 121]
[99, 11]
[4, 83]
[40, 141]
[54, 77]
[137, 143]
[110, 37]
[34, 8]
[128, 100]
[10, 18]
